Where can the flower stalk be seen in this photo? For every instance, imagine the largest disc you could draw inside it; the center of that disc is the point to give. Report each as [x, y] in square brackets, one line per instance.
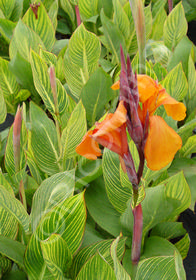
[170, 5]
[16, 138]
[77, 15]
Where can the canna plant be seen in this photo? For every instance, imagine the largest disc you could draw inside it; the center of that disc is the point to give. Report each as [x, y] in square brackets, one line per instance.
[71, 209]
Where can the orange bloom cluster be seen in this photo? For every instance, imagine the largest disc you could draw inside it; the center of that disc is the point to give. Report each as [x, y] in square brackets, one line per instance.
[162, 142]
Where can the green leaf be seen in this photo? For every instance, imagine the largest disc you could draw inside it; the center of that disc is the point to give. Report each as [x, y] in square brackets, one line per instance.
[183, 246]
[175, 83]
[117, 195]
[7, 28]
[119, 271]
[42, 26]
[97, 267]
[88, 8]
[51, 192]
[69, 10]
[12, 249]
[155, 268]
[103, 248]
[42, 84]
[168, 230]
[24, 40]
[113, 37]
[96, 94]
[44, 142]
[160, 52]
[8, 224]
[191, 78]
[81, 59]
[17, 11]
[53, 12]
[158, 24]
[101, 209]
[67, 219]
[186, 130]
[3, 110]
[189, 147]
[87, 171]
[57, 255]
[14, 207]
[73, 132]
[175, 27]
[7, 7]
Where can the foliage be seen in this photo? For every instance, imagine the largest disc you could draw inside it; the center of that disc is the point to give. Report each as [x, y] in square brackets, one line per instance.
[77, 220]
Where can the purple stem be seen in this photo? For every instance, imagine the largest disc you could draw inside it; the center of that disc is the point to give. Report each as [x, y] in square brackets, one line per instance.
[16, 138]
[137, 234]
[170, 5]
[77, 15]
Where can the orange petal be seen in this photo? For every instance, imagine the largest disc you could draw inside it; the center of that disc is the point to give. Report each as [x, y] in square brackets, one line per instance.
[88, 148]
[173, 108]
[161, 145]
[113, 121]
[116, 85]
[147, 87]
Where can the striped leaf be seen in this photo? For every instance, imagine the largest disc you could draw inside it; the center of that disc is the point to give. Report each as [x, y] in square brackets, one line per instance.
[14, 207]
[51, 192]
[3, 109]
[57, 255]
[103, 248]
[191, 78]
[5, 265]
[73, 132]
[8, 83]
[24, 40]
[168, 230]
[112, 37]
[12, 249]
[158, 24]
[183, 246]
[81, 58]
[119, 271]
[7, 28]
[17, 11]
[69, 10]
[96, 94]
[88, 8]
[175, 83]
[186, 130]
[160, 52]
[98, 267]
[175, 27]
[44, 142]
[7, 7]
[189, 147]
[42, 85]
[42, 26]
[117, 195]
[67, 219]
[53, 12]
[161, 267]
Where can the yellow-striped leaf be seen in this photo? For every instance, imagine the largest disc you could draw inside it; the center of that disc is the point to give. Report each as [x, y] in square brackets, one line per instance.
[73, 132]
[44, 142]
[24, 40]
[67, 220]
[189, 147]
[69, 10]
[119, 271]
[14, 207]
[57, 255]
[42, 85]
[3, 109]
[7, 28]
[191, 78]
[88, 8]
[183, 246]
[168, 230]
[103, 247]
[51, 192]
[7, 7]
[175, 27]
[175, 83]
[81, 58]
[98, 267]
[42, 26]
[117, 195]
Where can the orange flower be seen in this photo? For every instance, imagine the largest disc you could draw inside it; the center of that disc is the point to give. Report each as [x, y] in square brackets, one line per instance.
[110, 133]
[162, 142]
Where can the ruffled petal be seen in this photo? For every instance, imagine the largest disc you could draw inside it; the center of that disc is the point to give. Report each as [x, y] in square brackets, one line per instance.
[112, 122]
[161, 145]
[173, 108]
[88, 148]
[147, 87]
